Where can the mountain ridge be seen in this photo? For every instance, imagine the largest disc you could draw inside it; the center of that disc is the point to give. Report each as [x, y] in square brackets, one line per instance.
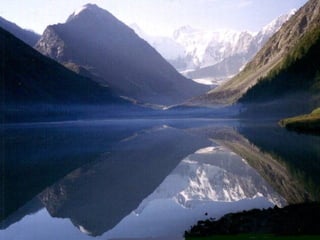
[211, 56]
[29, 77]
[271, 57]
[29, 37]
[124, 61]
[247, 45]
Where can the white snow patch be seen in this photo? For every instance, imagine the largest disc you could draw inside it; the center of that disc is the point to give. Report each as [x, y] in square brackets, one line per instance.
[83, 230]
[205, 150]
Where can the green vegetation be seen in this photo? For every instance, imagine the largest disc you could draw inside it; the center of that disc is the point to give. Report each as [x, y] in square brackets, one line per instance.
[254, 236]
[308, 123]
[298, 71]
[316, 111]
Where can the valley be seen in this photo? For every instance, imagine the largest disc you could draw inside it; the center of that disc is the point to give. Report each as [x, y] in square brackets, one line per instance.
[117, 130]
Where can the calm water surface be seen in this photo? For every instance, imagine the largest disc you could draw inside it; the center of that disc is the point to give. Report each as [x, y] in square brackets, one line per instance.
[146, 178]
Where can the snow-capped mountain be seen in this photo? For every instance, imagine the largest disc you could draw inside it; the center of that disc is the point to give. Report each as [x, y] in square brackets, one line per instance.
[195, 42]
[212, 56]
[267, 31]
[228, 51]
[167, 47]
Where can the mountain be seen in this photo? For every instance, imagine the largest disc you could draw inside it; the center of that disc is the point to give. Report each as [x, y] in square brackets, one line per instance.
[224, 56]
[195, 42]
[229, 51]
[288, 63]
[94, 39]
[166, 46]
[27, 77]
[209, 48]
[29, 37]
[211, 57]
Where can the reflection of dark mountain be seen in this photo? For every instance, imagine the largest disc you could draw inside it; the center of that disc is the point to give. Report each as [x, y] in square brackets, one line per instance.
[27, 36]
[299, 152]
[30, 208]
[276, 173]
[96, 40]
[97, 197]
[37, 155]
[29, 77]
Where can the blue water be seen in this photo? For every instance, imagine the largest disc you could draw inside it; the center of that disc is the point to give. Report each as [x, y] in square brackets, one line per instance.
[140, 178]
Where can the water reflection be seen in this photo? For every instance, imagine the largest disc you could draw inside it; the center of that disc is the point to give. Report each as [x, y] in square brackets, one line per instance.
[209, 183]
[157, 181]
[300, 153]
[97, 197]
[35, 156]
[275, 172]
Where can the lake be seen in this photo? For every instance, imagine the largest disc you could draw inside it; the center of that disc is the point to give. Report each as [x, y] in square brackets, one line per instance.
[147, 178]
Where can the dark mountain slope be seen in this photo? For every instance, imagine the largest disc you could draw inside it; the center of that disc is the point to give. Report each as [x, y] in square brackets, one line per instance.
[29, 37]
[97, 41]
[29, 77]
[299, 71]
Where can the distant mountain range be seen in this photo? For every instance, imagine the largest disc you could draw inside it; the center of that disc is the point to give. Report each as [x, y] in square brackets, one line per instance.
[28, 36]
[95, 40]
[289, 63]
[170, 49]
[116, 62]
[211, 57]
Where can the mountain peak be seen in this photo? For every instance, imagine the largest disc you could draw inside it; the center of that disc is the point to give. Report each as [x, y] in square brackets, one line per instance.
[187, 29]
[267, 75]
[89, 7]
[276, 24]
[94, 38]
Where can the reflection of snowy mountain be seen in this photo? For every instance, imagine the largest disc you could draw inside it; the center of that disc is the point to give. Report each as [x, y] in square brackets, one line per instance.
[211, 181]
[212, 174]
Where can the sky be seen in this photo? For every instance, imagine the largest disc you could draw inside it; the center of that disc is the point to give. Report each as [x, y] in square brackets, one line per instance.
[155, 17]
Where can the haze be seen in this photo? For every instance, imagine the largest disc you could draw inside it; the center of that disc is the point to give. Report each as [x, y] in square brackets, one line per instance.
[156, 17]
